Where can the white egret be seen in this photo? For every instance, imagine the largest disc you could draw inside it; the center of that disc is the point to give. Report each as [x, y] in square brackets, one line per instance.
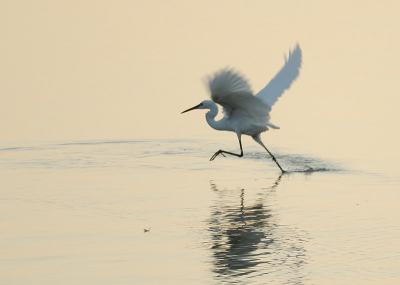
[244, 113]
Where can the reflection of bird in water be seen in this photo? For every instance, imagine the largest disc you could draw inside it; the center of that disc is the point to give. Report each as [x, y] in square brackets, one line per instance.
[247, 239]
[234, 244]
[244, 113]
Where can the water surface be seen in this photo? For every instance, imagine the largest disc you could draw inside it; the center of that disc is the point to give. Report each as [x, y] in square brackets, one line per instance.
[159, 212]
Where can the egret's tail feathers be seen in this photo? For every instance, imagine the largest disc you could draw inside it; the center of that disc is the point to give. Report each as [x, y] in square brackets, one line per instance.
[272, 126]
[266, 125]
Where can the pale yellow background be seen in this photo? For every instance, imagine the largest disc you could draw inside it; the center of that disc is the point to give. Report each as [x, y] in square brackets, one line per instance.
[83, 70]
[125, 70]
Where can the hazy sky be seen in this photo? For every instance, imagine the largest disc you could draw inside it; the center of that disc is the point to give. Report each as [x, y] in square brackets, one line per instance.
[78, 70]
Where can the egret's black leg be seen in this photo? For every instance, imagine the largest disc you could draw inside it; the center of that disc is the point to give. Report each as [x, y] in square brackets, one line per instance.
[231, 153]
[257, 139]
[274, 159]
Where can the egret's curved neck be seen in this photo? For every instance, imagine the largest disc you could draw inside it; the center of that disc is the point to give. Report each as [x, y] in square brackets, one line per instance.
[210, 117]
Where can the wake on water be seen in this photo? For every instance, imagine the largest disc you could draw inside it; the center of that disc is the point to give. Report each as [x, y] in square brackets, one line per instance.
[95, 150]
[294, 163]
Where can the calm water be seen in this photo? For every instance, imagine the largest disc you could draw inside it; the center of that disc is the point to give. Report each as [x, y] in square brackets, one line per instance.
[76, 213]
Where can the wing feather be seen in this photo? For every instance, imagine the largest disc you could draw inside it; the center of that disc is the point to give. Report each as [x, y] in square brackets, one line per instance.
[229, 89]
[283, 79]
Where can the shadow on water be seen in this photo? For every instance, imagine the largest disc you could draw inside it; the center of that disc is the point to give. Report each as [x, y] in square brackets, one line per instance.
[249, 244]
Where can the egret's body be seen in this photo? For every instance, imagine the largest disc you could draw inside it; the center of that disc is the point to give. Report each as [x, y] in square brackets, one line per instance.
[246, 114]
[238, 123]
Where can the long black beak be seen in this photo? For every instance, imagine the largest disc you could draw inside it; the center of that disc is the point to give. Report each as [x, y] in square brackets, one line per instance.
[195, 107]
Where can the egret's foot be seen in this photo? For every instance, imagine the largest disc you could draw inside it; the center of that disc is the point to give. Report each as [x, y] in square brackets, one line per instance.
[216, 154]
[274, 159]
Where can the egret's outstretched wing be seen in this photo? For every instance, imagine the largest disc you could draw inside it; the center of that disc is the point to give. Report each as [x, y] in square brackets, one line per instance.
[282, 81]
[232, 91]
[227, 81]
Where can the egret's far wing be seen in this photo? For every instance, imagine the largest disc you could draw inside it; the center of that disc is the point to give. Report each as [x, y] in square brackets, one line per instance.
[231, 91]
[225, 82]
[282, 81]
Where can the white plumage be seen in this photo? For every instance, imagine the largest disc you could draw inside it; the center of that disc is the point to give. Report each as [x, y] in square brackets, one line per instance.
[233, 93]
[283, 79]
[245, 113]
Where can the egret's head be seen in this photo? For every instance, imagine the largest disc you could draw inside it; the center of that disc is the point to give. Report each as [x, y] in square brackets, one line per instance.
[203, 105]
